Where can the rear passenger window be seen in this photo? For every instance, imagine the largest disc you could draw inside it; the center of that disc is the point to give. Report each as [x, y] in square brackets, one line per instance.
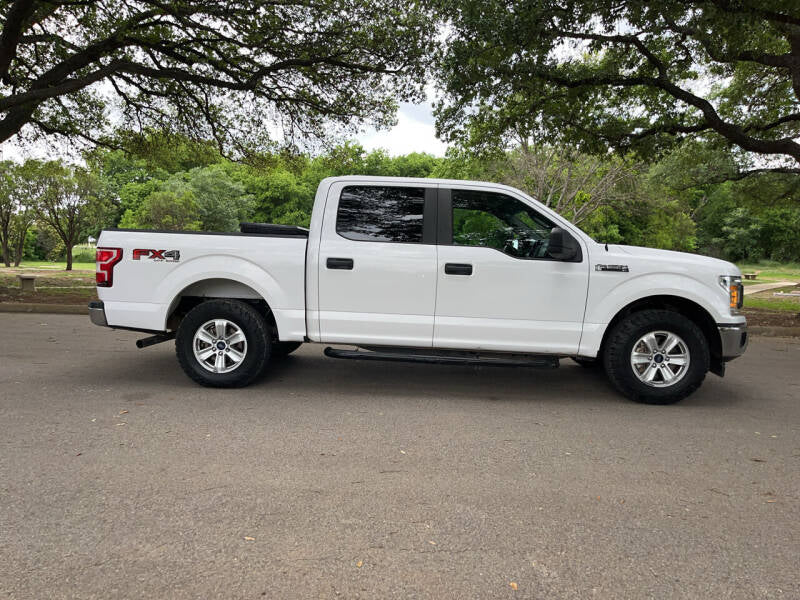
[381, 214]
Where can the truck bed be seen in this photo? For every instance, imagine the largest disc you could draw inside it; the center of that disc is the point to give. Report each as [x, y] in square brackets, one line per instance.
[158, 268]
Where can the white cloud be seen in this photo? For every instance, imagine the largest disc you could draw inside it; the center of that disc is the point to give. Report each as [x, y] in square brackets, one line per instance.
[414, 132]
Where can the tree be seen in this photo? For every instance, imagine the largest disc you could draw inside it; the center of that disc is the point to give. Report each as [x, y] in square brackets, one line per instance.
[69, 201]
[16, 211]
[204, 199]
[7, 208]
[221, 202]
[20, 226]
[573, 185]
[165, 211]
[225, 71]
[628, 75]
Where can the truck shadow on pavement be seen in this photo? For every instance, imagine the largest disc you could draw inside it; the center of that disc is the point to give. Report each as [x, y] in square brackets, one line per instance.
[308, 374]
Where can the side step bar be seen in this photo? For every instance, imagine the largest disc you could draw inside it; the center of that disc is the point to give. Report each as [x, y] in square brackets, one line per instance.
[155, 339]
[447, 358]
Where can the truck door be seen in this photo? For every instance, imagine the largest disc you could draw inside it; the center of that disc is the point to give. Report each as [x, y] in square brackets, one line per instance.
[377, 264]
[497, 287]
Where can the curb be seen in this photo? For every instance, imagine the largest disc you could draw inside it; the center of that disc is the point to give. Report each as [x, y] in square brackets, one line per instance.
[79, 309]
[774, 331]
[51, 309]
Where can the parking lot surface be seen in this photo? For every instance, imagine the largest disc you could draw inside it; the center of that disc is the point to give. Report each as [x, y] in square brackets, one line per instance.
[120, 478]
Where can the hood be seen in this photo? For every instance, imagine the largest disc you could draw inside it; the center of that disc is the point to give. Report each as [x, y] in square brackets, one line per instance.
[670, 257]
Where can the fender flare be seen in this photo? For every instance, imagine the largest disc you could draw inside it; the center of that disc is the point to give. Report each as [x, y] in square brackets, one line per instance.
[651, 285]
[226, 267]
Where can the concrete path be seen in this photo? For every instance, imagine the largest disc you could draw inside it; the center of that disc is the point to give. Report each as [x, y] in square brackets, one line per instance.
[763, 287]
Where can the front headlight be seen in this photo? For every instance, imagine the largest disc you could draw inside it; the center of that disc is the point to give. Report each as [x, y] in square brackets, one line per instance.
[732, 284]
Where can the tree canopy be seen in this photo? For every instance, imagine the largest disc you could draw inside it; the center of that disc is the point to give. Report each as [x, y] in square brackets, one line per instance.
[227, 71]
[635, 75]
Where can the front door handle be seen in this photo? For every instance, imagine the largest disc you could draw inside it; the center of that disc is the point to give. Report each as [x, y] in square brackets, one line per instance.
[457, 269]
[340, 263]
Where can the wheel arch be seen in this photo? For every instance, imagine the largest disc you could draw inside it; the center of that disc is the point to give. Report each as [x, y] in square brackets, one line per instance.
[688, 308]
[217, 288]
[224, 276]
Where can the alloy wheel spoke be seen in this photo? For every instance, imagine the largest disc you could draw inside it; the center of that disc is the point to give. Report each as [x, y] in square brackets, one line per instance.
[669, 343]
[678, 360]
[640, 358]
[651, 342]
[219, 326]
[650, 373]
[235, 355]
[205, 353]
[235, 338]
[205, 336]
[667, 374]
[219, 363]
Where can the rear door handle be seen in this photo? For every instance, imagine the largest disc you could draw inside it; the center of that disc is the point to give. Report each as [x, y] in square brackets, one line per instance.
[457, 269]
[340, 263]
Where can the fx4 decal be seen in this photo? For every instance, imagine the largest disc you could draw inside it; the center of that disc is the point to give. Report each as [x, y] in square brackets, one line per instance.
[157, 255]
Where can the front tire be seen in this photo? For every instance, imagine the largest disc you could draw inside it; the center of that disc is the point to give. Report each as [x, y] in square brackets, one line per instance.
[656, 356]
[223, 343]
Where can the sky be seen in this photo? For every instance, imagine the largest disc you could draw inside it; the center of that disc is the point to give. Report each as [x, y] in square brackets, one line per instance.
[414, 132]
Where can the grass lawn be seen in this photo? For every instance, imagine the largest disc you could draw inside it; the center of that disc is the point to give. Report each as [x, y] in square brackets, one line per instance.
[767, 300]
[765, 307]
[53, 286]
[770, 271]
[54, 266]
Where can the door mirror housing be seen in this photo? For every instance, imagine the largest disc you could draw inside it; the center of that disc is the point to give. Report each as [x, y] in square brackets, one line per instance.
[562, 246]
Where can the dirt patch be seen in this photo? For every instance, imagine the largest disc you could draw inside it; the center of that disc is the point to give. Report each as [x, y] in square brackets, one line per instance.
[771, 318]
[60, 280]
[52, 287]
[62, 296]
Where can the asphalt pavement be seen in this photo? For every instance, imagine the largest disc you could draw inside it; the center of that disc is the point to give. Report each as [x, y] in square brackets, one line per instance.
[120, 478]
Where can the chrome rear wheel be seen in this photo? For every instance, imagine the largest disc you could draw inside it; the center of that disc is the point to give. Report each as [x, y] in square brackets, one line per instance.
[219, 345]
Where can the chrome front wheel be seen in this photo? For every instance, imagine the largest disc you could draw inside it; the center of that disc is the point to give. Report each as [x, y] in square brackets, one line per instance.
[660, 358]
[219, 345]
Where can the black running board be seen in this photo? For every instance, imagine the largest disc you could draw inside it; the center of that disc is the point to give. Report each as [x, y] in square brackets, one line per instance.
[449, 358]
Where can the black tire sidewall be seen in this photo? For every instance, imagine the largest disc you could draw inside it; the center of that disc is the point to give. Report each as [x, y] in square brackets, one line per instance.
[630, 330]
[252, 324]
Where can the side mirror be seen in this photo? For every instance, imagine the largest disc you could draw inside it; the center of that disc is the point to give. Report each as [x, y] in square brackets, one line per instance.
[562, 246]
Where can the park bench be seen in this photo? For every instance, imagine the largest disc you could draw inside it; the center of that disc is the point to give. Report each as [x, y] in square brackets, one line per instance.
[750, 275]
[27, 283]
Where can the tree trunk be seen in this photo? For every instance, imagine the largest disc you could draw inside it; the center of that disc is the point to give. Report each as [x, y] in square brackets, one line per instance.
[6, 254]
[69, 257]
[20, 247]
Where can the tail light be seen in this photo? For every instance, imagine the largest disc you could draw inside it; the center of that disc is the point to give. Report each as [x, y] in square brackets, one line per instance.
[105, 259]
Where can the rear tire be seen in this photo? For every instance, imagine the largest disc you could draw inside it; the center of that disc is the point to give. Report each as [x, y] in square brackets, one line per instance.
[656, 356]
[222, 324]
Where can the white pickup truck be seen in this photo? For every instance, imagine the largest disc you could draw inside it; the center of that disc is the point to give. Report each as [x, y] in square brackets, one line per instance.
[424, 270]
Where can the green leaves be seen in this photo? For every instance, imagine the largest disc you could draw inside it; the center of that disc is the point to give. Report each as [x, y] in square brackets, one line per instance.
[637, 76]
[242, 74]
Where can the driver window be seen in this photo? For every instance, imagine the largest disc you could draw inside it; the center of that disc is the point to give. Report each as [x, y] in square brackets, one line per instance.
[501, 222]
